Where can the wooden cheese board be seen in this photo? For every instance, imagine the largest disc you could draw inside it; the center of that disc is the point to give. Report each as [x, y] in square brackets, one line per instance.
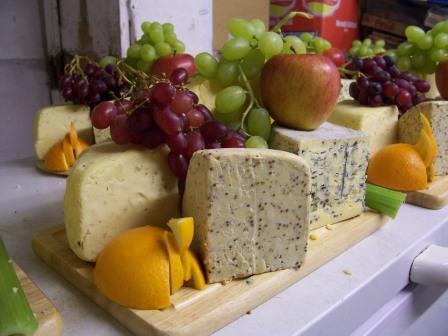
[41, 167]
[50, 321]
[202, 312]
[433, 197]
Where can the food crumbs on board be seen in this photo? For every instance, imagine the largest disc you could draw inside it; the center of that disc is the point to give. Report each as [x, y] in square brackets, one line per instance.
[329, 227]
[313, 236]
[348, 272]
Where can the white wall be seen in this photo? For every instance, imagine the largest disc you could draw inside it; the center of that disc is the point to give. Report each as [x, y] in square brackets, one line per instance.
[23, 76]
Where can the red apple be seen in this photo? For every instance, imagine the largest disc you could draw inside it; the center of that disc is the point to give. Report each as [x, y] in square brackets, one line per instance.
[167, 64]
[442, 78]
[336, 55]
[300, 91]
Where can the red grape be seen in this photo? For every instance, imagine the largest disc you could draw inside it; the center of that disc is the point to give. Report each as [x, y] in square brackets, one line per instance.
[119, 130]
[153, 137]
[213, 131]
[177, 143]
[402, 83]
[142, 96]
[168, 121]
[67, 93]
[65, 81]
[389, 60]
[336, 55]
[382, 76]
[363, 96]
[178, 165]
[403, 98]
[140, 119]
[100, 74]
[110, 82]
[394, 71]
[163, 93]
[94, 98]
[195, 118]
[98, 85]
[390, 89]
[363, 82]
[182, 102]
[213, 145]
[232, 142]
[89, 69]
[123, 106]
[103, 114]
[354, 90]
[368, 64]
[205, 111]
[422, 86]
[185, 121]
[375, 100]
[195, 142]
[375, 88]
[179, 76]
[380, 61]
[193, 96]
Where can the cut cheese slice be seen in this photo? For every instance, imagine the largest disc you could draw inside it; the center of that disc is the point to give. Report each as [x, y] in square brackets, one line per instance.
[344, 94]
[53, 122]
[112, 188]
[379, 123]
[250, 209]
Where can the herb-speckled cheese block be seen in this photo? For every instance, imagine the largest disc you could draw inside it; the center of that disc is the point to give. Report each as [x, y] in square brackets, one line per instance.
[112, 188]
[337, 157]
[53, 122]
[409, 127]
[379, 123]
[251, 210]
[101, 135]
[345, 89]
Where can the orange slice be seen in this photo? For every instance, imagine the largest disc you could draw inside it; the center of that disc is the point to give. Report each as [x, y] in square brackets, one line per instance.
[55, 159]
[183, 229]
[176, 268]
[68, 151]
[186, 265]
[196, 272]
[73, 135]
[425, 148]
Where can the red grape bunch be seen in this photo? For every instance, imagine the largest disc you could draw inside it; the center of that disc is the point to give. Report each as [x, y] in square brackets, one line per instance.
[382, 83]
[166, 113]
[90, 84]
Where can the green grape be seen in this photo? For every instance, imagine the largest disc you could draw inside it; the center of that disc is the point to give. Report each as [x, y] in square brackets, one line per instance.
[168, 28]
[258, 26]
[326, 44]
[230, 100]
[156, 33]
[370, 52]
[148, 53]
[134, 51]
[293, 45]
[441, 40]
[414, 33]
[227, 73]
[241, 28]
[170, 38]
[380, 43]
[259, 123]
[156, 25]
[235, 49]
[378, 50]
[256, 142]
[436, 55]
[163, 49]
[418, 60]
[146, 27]
[206, 64]
[404, 63]
[306, 37]
[270, 44]
[144, 66]
[364, 51]
[319, 44]
[425, 42]
[145, 39]
[354, 51]
[391, 53]
[106, 60]
[230, 119]
[405, 48]
[356, 43]
[429, 68]
[253, 63]
[367, 42]
[131, 61]
[444, 27]
[437, 29]
[179, 47]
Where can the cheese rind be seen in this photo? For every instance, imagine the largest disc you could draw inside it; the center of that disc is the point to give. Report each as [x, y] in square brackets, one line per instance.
[112, 188]
[53, 122]
[337, 157]
[379, 123]
[251, 210]
[344, 94]
[409, 127]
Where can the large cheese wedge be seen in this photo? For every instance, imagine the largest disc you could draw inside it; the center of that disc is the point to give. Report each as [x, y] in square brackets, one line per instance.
[251, 210]
[112, 188]
[338, 158]
[52, 123]
[379, 123]
[410, 126]
[344, 94]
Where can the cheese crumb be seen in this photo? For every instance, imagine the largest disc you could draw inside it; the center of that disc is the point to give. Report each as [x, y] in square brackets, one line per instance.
[15, 290]
[348, 272]
[313, 236]
[329, 227]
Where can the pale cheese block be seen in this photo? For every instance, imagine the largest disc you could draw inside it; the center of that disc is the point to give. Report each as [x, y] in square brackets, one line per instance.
[112, 188]
[344, 94]
[409, 127]
[379, 123]
[101, 135]
[251, 210]
[337, 157]
[53, 122]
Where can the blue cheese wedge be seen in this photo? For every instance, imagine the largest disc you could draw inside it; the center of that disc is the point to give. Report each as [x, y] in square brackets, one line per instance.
[409, 127]
[251, 210]
[53, 122]
[337, 157]
[379, 123]
[112, 188]
[345, 89]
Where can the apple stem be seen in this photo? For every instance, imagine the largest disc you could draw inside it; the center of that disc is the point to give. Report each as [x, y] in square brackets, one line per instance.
[278, 27]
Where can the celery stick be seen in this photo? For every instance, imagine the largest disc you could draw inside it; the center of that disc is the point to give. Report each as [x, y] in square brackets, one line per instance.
[383, 200]
[16, 316]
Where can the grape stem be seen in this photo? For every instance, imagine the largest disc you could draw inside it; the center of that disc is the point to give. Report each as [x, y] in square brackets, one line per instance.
[278, 27]
[253, 100]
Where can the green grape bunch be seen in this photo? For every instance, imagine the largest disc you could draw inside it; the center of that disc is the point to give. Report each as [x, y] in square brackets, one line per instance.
[423, 50]
[158, 40]
[367, 48]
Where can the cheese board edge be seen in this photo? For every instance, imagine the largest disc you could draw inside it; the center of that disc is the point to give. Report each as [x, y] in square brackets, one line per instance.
[243, 296]
[434, 197]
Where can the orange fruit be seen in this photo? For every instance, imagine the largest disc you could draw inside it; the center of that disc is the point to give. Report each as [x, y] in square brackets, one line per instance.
[68, 151]
[398, 167]
[133, 269]
[183, 229]
[186, 265]
[176, 267]
[196, 272]
[55, 159]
